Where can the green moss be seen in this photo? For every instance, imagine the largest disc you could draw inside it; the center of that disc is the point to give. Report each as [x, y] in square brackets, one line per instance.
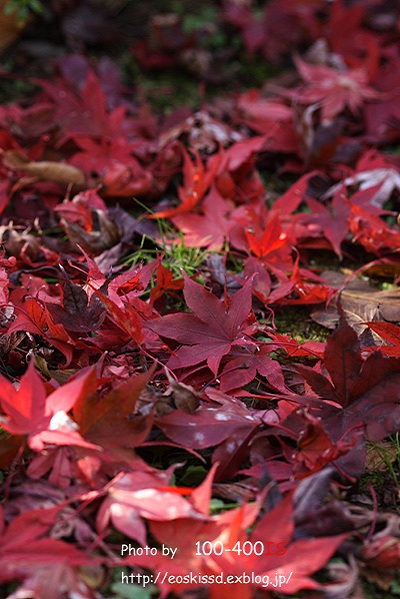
[296, 322]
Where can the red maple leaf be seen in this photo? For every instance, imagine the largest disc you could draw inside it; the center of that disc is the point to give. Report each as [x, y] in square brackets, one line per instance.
[243, 363]
[35, 317]
[84, 114]
[111, 163]
[362, 393]
[332, 221]
[270, 118]
[197, 178]
[44, 419]
[47, 567]
[389, 332]
[212, 424]
[315, 449]
[209, 229]
[99, 417]
[269, 242]
[214, 327]
[227, 424]
[165, 282]
[334, 89]
[143, 494]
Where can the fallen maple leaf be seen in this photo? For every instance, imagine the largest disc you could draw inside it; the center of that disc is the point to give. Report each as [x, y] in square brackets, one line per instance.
[44, 419]
[214, 327]
[197, 178]
[211, 425]
[332, 221]
[390, 333]
[314, 447]
[374, 174]
[35, 317]
[133, 496]
[361, 393]
[77, 312]
[85, 114]
[334, 89]
[99, 417]
[209, 229]
[47, 567]
[269, 241]
[243, 363]
[127, 318]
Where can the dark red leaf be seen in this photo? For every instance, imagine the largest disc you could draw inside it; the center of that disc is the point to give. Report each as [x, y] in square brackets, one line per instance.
[209, 333]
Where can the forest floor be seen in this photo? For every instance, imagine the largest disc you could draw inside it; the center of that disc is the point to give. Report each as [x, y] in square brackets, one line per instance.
[199, 300]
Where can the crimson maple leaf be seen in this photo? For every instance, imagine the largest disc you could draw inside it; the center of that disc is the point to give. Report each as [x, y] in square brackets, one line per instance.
[210, 229]
[48, 567]
[362, 393]
[227, 424]
[209, 333]
[315, 449]
[244, 363]
[335, 89]
[99, 418]
[143, 494]
[44, 419]
[36, 318]
[197, 179]
[210, 425]
[86, 114]
[332, 221]
[376, 178]
[272, 245]
[391, 334]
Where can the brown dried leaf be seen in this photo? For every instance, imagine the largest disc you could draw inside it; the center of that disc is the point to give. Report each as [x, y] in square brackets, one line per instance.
[46, 170]
[95, 241]
[360, 302]
[20, 244]
[185, 398]
[149, 400]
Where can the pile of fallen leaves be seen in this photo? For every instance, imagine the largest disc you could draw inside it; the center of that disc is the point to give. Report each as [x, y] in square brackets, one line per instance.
[148, 396]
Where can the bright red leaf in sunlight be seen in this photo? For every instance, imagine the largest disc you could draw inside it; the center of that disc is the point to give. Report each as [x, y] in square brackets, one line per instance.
[390, 333]
[197, 179]
[28, 411]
